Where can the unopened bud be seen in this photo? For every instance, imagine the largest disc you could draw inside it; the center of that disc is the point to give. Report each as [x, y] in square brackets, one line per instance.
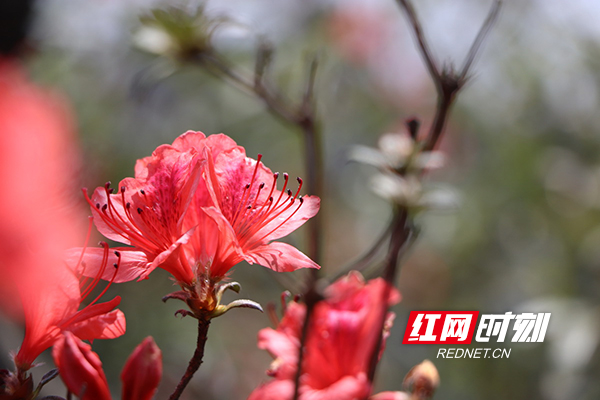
[422, 380]
[80, 368]
[142, 371]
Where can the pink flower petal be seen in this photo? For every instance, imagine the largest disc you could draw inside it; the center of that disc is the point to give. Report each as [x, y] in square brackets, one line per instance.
[280, 257]
[274, 390]
[132, 265]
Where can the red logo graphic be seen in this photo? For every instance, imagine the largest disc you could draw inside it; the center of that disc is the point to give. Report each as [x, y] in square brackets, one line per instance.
[440, 327]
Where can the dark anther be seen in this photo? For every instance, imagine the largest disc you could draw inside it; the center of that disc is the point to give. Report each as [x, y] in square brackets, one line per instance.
[289, 192]
[107, 185]
[276, 175]
[271, 198]
[139, 210]
[111, 190]
[117, 254]
[128, 205]
[301, 199]
[248, 186]
[98, 206]
[116, 265]
[122, 189]
[285, 175]
[262, 185]
[104, 207]
[299, 180]
[142, 191]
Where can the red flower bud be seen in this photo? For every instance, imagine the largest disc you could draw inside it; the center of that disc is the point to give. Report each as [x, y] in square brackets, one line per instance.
[142, 371]
[80, 368]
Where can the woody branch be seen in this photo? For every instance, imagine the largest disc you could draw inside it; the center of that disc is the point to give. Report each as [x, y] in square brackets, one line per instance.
[448, 83]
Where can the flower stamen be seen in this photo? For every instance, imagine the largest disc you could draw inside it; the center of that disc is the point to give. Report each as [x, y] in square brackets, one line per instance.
[247, 190]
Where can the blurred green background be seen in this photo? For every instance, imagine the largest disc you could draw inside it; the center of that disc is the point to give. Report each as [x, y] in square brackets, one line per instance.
[523, 152]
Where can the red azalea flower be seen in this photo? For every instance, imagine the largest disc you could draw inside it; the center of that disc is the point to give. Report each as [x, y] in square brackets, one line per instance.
[81, 370]
[243, 212]
[37, 153]
[198, 207]
[51, 304]
[147, 213]
[344, 320]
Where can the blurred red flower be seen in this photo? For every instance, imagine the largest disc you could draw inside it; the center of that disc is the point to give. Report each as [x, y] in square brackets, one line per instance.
[51, 303]
[38, 220]
[341, 336]
[359, 33]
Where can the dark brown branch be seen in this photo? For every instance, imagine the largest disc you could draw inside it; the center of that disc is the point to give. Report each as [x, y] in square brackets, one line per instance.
[313, 160]
[399, 237]
[311, 298]
[448, 83]
[445, 100]
[314, 164]
[196, 359]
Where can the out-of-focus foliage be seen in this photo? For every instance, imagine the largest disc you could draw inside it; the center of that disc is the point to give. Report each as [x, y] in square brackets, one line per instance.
[522, 148]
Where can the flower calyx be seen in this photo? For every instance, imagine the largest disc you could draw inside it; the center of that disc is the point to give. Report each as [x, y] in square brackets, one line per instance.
[15, 385]
[206, 304]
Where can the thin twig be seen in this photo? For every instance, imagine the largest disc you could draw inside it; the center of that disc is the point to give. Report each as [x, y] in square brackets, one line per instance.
[307, 101]
[274, 101]
[448, 83]
[363, 261]
[196, 359]
[418, 31]
[485, 28]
